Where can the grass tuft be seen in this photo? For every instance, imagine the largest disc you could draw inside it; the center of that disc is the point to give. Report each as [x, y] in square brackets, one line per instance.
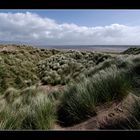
[79, 101]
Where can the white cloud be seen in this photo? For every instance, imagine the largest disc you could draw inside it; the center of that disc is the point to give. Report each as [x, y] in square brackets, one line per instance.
[32, 28]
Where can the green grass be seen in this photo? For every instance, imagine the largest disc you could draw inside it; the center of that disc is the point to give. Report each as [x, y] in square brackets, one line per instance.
[9, 119]
[30, 108]
[10, 94]
[79, 101]
[91, 79]
[41, 116]
[38, 115]
[109, 82]
[133, 50]
[18, 67]
[67, 67]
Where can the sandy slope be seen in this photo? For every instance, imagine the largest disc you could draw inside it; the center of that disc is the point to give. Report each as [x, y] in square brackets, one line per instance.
[107, 116]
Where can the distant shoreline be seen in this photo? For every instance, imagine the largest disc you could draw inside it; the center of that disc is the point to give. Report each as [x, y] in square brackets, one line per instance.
[96, 48]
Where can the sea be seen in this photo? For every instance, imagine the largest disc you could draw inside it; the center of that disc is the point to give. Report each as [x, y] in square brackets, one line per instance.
[101, 48]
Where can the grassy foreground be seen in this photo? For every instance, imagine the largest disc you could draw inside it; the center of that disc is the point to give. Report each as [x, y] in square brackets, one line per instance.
[89, 79]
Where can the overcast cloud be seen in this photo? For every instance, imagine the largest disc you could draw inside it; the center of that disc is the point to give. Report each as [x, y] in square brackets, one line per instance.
[32, 28]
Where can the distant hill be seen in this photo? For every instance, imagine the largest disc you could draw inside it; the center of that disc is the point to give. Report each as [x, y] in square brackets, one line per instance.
[132, 51]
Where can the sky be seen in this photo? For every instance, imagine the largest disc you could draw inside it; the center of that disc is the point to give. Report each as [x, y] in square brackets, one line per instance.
[71, 27]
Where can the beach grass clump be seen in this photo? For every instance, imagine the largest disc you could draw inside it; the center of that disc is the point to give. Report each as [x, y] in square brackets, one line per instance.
[30, 109]
[105, 64]
[111, 84]
[40, 116]
[18, 64]
[10, 94]
[32, 93]
[28, 94]
[133, 50]
[59, 70]
[66, 67]
[9, 119]
[122, 62]
[79, 101]
[75, 106]
[55, 95]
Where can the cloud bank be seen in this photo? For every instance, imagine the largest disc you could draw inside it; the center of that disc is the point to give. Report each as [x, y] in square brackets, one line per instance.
[32, 28]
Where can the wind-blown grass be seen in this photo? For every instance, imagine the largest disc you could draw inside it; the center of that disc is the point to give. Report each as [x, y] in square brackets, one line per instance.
[41, 116]
[30, 109]
[91, 79]
[10, 94]
[18, 65]
[66, 68]
[110, 82]
[79, 101]
[10, 119]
